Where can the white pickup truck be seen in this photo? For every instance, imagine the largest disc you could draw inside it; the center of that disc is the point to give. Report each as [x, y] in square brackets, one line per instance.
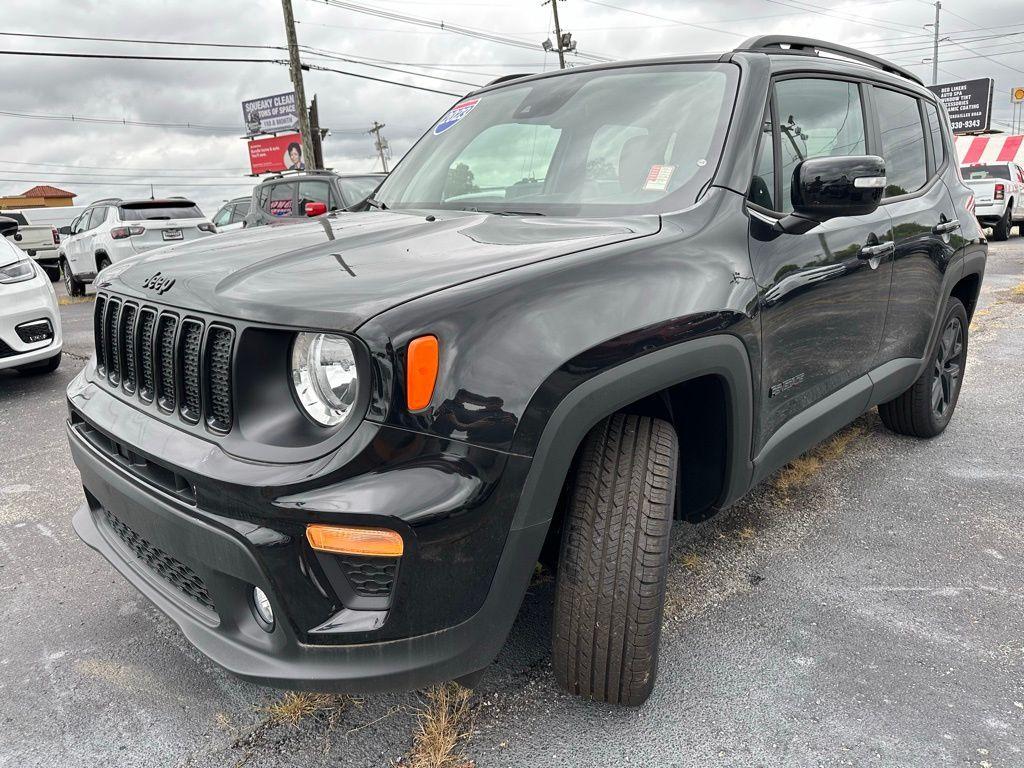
[998, 195]
[38, 241]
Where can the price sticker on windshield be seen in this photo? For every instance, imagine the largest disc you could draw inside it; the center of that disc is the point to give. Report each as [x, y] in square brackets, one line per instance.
[658, 177]
[455, 114]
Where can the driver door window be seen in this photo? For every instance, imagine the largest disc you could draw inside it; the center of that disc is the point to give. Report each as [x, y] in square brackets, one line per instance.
[282, 200]
[817, 118]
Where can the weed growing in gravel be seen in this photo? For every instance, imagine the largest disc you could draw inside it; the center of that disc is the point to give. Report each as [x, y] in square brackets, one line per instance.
[445, 725]
[292, 708]
[799, 472]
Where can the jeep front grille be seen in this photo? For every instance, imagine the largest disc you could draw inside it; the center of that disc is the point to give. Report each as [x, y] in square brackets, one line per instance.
[181, 363]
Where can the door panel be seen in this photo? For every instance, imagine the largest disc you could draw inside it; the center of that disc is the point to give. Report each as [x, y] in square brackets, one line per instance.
[823, 307]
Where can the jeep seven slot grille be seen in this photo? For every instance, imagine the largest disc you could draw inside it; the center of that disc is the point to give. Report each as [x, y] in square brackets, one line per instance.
[183, 364]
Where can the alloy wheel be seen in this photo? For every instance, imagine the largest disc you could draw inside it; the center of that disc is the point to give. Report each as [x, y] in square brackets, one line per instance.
[948, 368]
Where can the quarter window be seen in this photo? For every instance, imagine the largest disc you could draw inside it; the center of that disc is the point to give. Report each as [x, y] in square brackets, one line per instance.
[903, 146]
[762, 185]
[935, 126]
[817, 118]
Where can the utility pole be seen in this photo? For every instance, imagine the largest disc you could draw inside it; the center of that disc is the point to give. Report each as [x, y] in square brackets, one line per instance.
[295, 68]
[558, 34]
[935, 45]
[381, 144]
[317, 133]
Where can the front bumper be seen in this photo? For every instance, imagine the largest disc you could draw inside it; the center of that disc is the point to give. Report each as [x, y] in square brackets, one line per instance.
[458, 589]
[27, 302]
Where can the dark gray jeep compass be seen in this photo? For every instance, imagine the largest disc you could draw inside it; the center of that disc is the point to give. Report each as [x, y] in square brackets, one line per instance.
[585, 304]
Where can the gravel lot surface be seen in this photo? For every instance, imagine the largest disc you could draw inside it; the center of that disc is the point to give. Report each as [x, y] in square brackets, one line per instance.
[865, 607]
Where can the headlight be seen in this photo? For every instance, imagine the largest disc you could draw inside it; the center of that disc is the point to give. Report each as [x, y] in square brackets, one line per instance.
[324, 376]
[17, 272]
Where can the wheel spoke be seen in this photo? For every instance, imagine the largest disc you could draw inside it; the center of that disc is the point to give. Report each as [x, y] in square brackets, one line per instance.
[937, 395]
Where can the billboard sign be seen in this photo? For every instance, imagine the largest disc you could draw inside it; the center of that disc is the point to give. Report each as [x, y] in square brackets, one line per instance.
[277, 153]
[968, 102]
[271, 114]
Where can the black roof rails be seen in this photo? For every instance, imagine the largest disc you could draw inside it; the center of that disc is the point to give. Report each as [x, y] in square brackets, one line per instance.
[506, 78]
[808, 46]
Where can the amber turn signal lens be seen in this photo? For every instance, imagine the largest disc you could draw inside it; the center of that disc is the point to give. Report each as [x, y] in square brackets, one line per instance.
[420, 372]
[346, 540]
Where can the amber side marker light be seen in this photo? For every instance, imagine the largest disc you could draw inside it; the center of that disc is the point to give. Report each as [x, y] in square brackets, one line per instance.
[346, 540]
[420, 372]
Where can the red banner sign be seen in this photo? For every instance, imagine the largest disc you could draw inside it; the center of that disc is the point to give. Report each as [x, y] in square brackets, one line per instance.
[278, 153]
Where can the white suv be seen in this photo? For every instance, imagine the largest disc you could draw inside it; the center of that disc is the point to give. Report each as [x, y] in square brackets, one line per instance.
[30, 335]
[111, 230]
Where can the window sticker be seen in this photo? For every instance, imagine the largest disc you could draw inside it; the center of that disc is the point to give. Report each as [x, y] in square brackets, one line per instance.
[455, 114]
[658, 178]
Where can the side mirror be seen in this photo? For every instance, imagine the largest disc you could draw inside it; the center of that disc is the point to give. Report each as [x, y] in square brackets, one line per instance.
[316, 209]
[8, 227]
[829, 187]
[65, 230]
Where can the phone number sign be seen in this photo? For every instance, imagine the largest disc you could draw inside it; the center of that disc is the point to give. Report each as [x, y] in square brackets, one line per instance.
[968, 102]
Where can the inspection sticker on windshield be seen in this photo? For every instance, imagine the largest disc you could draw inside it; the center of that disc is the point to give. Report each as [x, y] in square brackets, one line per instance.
[455, 114]
[657, 178]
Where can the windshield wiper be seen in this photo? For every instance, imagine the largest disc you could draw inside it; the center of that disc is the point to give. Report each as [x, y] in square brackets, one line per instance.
[373, 202]
[515, 213]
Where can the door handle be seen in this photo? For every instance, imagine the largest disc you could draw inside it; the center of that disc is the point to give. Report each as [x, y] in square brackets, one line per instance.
[945, 227]
[874, 251]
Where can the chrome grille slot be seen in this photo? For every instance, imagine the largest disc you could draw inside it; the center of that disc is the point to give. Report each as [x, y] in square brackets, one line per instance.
[190, 346]
[165, 389]
[126, 343]
[111, 342]
[219, 345]
[144, 344]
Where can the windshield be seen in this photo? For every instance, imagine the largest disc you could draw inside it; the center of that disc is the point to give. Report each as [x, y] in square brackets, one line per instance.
[357, 188]
[981, 172]
[601, 143]
[144, 211]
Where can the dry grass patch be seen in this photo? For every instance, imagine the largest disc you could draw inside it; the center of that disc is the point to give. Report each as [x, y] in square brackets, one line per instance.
[66, 300]
[1017, 290]
[445, 725]
[799, 472]
[292, 708]
[691, 561]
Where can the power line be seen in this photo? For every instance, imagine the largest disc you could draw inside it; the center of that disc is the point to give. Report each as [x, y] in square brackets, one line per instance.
[74, 182]
[321, 68]
[148, 41]
[453, 28]
[115, 167]
[120, 121]
[340, 57]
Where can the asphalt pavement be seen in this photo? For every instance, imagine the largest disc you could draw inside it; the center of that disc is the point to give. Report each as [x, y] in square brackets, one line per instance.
[862, 608]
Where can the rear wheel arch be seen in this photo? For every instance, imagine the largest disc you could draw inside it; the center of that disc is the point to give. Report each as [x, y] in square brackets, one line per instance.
[100, 257]
[967, 289]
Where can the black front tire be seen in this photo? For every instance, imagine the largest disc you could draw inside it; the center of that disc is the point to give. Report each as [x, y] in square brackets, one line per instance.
[1001, 230]
[610, 590]
[48, 365]
[925, 409]
[72, 284]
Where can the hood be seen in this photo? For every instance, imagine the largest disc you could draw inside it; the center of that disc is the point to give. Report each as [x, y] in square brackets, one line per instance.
[9, 252]
[339, 271]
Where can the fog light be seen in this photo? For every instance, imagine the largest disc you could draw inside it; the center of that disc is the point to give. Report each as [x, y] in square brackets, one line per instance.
[261, 609]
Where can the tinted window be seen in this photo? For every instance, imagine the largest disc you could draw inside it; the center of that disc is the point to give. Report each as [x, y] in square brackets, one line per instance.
[903, 147]
[160, 211]
[817, 118]
[281, 202]
[314, 192]
[976, 172]
[935, 126]
[20, 218]
[96, 217]
[238, 212]
[762, 185]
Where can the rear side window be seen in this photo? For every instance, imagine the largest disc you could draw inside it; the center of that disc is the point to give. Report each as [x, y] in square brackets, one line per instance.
[935, 127]
[160, 211]
[239, 210]
[20, 218]
[903, 146]
[817, 118]
[281, 200]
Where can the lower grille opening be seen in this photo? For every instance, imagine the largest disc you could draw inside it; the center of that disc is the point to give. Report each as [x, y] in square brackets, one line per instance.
[172, 570]
[369, 576]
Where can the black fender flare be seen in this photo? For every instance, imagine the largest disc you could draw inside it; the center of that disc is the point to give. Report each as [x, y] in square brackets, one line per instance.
[722, 355]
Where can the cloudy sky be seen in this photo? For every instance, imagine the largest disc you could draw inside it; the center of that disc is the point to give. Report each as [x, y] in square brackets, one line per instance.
[40, 144]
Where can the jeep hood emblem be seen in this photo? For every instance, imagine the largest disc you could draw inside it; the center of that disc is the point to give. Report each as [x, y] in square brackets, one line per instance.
[159, 283]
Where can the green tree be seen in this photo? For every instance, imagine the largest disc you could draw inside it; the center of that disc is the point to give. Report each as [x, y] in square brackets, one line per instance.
[460, 181]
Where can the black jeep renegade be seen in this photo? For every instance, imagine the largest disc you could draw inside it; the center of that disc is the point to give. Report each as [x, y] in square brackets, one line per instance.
[585, 304]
